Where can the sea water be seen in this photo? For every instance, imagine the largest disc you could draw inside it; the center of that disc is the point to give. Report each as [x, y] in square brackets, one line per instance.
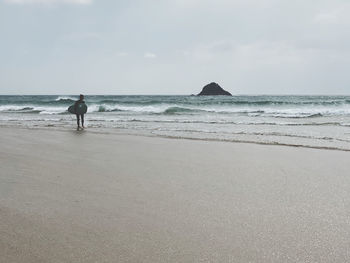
[309, 121]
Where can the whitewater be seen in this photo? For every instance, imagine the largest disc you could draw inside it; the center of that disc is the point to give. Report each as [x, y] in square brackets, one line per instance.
[306, 121]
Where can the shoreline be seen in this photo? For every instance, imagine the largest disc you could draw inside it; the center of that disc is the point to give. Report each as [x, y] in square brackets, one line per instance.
[119, 131]
[305, 121]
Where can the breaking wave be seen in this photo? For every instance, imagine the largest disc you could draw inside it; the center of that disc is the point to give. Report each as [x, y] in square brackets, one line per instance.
[323, 121]
[65, 99]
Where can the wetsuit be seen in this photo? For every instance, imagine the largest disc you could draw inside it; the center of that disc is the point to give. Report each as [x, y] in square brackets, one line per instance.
[81, 115]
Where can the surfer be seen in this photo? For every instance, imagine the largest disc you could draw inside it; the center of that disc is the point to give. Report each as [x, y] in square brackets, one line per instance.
[79, 116]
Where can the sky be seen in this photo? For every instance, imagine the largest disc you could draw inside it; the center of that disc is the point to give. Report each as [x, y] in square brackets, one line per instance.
[174, 46]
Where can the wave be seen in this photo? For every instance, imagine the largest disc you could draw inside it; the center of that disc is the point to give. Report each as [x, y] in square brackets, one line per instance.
[284, 107]
[105, 109]
[65, 99]
[211, 101]
[265, 134]
[24, 110]
[254, 101]
[274, 143]
[296, 116]
[223, 101]
[16, 109]
[176, 110]
[20, 109]
[130, 102]
[227, 122]
[167, 109]
[39, 101]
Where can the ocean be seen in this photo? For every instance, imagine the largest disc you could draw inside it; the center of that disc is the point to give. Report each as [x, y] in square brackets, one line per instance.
[306, 121]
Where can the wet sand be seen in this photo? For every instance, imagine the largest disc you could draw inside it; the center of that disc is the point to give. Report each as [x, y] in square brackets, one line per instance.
[68, 196]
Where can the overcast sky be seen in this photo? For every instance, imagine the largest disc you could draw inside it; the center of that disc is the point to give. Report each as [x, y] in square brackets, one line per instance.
[174, 46]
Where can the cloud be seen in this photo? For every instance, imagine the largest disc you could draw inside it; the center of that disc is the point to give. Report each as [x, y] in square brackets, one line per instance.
[326, 18]
[249, 56]
[248, 44]
[337, 16]
[122, 54]
[77, 2]
[149, 55]
[81, 36]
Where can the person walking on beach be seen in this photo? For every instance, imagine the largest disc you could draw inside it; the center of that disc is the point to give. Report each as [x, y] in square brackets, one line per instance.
[79, 116]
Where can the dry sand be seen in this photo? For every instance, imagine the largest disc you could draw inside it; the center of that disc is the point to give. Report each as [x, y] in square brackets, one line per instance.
[69, 196]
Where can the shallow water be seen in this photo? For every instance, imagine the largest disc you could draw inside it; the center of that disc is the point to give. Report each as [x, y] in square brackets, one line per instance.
[310, 121]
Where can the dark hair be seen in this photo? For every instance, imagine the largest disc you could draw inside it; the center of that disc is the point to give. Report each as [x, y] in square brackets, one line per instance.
[81, 96]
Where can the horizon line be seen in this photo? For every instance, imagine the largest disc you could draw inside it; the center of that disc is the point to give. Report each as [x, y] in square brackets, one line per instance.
[233, 95]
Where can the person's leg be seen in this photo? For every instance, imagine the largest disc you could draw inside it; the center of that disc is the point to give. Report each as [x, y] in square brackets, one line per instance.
[82, 120]
[78, 121]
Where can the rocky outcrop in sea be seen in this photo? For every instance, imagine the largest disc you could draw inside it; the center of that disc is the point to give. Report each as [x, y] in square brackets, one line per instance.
[213, 89]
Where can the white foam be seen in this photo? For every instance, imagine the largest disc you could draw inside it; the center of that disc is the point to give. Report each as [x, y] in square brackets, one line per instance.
[65, 98]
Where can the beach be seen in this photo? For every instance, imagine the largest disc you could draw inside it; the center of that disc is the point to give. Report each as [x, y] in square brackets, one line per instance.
[68, 196]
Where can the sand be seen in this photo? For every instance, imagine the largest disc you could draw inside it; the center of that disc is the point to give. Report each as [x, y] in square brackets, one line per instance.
[68, 196]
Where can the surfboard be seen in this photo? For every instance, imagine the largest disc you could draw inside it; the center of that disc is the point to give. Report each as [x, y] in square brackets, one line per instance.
[81, 109]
